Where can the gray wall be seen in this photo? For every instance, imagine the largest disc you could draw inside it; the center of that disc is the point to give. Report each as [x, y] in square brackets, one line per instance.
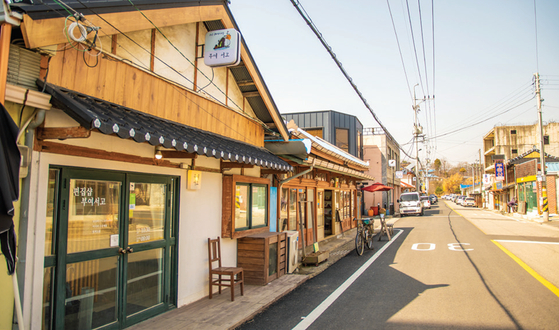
[330, 120]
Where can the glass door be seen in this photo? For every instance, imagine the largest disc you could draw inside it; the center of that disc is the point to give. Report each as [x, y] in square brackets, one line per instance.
[113, 243]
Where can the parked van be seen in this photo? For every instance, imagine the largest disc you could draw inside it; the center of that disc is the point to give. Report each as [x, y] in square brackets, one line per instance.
[410, 203]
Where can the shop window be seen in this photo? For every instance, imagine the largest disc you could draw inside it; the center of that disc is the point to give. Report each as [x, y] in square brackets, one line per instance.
[293, 209]
[342, 139]
[245, 206]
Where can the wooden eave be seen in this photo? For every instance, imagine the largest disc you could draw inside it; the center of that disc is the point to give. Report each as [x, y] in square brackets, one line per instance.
[47, 32]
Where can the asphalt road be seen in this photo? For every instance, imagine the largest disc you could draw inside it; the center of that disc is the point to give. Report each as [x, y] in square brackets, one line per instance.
[450, 269]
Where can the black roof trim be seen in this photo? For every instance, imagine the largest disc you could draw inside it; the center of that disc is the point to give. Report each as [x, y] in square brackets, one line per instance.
[110, 118]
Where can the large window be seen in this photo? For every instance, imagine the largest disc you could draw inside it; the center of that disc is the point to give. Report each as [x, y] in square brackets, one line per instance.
[342, 139]
[245, 205]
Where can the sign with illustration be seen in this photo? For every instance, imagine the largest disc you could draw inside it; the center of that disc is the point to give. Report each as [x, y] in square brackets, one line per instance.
[223, 48]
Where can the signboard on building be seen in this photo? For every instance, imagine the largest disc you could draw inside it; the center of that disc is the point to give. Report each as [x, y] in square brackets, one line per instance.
[499, 170]
[399, 174]
[223, 48]
[486, 179]
[392, 162]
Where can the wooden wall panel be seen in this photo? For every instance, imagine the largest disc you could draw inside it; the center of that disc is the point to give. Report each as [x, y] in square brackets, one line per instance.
[126, 85]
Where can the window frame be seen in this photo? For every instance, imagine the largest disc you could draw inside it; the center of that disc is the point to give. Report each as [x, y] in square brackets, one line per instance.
[230, 182]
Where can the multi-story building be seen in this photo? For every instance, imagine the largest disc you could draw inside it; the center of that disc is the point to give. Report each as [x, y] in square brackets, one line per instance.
[340, 129]
[382, 152]
[513, 141]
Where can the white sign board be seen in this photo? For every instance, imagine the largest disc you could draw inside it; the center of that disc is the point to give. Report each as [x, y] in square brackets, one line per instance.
[399, 174]
[223, 48]
[392, 162]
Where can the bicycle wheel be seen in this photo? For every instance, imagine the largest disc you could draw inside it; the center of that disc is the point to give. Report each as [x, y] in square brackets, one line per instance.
[370, 245]
[359, 243]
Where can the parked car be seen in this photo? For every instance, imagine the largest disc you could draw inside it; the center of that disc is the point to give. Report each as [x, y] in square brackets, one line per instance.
[459, 200]
[410, 203]
[469, 201]
[433, 199]
[426, 202]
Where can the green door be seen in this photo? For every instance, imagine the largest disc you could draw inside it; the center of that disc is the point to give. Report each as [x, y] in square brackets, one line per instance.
[114, 249]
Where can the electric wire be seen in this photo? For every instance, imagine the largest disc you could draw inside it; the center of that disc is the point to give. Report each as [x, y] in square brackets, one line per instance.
[186, 58]
[429, 112]
[512, 98]
[536, 37]
[415, 50]
[399, 49]
[183, 92]
[319, 35]
[484, 120]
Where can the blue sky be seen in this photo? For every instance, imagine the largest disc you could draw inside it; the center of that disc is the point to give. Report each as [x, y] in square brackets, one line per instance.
[485, 58]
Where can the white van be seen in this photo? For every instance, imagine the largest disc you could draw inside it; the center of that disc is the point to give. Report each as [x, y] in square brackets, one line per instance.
[410, 203]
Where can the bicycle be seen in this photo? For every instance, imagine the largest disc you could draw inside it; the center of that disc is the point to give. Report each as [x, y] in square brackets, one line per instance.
[364, 235]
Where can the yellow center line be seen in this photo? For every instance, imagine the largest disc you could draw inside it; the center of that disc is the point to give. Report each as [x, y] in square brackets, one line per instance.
[470, 221]
[530, 271]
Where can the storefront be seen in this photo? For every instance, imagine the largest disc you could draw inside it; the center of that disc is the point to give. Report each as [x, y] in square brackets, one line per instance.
[528, 192]
[321, 195]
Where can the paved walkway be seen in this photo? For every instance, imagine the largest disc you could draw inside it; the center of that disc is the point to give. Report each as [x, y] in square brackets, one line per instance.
[222, 313]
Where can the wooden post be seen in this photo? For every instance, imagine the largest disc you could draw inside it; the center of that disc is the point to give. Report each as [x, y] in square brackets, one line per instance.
[5, 36]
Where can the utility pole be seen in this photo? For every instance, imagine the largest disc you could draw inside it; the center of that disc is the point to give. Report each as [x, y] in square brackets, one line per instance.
[481, 172]
[542, 173]
[416, 132]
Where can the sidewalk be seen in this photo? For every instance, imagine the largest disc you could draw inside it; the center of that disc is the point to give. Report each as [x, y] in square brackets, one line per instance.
[533, 218]
[222, 313]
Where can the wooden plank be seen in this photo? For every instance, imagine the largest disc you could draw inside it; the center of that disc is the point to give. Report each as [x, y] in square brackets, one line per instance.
[227, 207]
[39, 33]
[5, 37]
[66, 149]
[248, 254]
[251, 261]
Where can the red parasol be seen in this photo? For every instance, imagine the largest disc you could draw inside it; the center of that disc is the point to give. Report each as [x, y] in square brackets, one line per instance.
[377, 187]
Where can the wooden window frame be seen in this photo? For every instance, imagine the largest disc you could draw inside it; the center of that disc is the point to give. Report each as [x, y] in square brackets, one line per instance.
[228, 206]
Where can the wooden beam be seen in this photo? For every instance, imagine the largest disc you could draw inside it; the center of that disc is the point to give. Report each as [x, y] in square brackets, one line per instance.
[230, 165]
[178, 154]
[152, 55]
[46, 32]
[5, 37]
[62, 133]
[65, 149]
[267, 172]
[243, 83]
[327, 157]
[251, 94]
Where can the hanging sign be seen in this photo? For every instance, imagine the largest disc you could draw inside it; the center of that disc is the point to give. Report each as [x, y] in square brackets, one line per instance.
[223, 48]
[499, 170]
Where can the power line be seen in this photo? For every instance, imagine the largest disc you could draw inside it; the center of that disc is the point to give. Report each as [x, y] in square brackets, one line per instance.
[482, 121]
[414, 49]
[399, 49]
[315, 30]
[183, 92]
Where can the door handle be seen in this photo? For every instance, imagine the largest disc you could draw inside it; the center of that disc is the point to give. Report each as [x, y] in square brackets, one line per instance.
[122, 251]
[129, 250]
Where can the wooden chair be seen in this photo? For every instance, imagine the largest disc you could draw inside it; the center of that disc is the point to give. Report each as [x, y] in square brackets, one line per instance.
[235, 274]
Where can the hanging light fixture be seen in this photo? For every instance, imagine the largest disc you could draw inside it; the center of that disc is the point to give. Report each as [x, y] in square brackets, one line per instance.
[158, 154]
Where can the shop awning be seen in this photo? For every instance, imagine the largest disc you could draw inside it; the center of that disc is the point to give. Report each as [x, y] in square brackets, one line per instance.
[110, 118]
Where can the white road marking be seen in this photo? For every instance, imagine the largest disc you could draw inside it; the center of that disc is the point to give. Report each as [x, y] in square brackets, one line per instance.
[307, 321]
[532, 242]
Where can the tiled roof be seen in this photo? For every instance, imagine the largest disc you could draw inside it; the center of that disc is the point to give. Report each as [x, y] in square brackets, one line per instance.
[110, 118]
[521, 159]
